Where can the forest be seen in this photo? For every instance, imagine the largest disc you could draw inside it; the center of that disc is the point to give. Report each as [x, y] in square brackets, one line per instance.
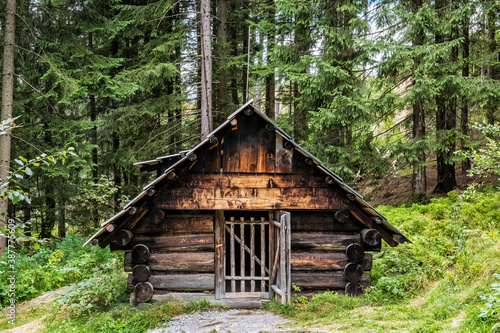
[367, 87]
[371, 88]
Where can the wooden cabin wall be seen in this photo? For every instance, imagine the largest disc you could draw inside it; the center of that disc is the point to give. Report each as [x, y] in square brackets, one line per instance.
[323, 257]
[180, 259]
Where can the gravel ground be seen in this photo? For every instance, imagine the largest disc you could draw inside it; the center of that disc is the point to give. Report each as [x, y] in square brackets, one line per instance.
[225, 321]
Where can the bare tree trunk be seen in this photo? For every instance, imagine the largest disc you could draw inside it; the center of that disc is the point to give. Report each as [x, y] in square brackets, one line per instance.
[270, 79]
[490, 111]
[7, 101]
[206, 70]
[446, 119]
[61, 225]
[419, 179]
[464, 116]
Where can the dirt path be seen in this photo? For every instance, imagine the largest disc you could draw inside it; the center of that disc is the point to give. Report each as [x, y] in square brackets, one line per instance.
[37, 324]
[225, 321]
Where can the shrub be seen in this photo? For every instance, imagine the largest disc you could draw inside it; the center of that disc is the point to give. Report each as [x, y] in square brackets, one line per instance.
[104, 288]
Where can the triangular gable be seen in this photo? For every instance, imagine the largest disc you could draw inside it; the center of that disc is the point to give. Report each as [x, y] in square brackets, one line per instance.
[365, 213]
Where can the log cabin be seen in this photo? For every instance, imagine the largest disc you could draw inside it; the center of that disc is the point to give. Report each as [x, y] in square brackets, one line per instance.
[245, 216]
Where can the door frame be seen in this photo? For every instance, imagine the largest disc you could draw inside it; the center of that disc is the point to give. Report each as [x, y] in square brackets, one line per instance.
[278, 260]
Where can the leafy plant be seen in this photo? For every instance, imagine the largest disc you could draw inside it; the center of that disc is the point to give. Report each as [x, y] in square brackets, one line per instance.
[491, 309]
[104, 288]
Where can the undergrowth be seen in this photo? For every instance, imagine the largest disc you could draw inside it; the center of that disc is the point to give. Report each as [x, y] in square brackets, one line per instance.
[53, 266]
[445, 281]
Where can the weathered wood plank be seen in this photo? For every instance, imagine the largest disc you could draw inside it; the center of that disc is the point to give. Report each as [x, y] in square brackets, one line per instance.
[249, 127]
[314, 280]
[315, 283]
[191, 282]
[219, 253]
[250, 198]
[305, 221]
[310, 241]
[325, 261]
[231, 150]
[218, 180]
[179, 262]
[266, 151]
[238, 303]
[284, 157]
[177, 224]
[211, 156]
[204, 242]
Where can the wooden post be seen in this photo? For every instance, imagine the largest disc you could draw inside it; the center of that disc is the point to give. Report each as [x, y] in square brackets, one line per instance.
[252, 257]
[232, 258]
[219, 253]
[282, 258]
[242, 259]
[262, 254]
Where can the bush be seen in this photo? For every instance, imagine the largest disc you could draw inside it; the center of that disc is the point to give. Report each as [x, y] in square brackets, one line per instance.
[54, 265]
[104, 288]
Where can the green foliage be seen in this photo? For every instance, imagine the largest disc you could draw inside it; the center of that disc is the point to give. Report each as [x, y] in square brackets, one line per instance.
[104, 288]
[491, 308]
[485, 159]
[53, 266]
[197, 306]
[123, 318]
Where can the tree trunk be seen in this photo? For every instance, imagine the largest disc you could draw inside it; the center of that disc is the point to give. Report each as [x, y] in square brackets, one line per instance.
[464, 117]
[246, 46]
[7, 101]
[490, 111]
[61, 225]
[222, 92]
[206, 70]
[446, 122]
[270, 80]
[419, 179]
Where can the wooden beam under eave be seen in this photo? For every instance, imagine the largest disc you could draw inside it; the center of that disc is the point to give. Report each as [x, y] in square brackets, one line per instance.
[127, 223]
[367, 221]
[249, 198]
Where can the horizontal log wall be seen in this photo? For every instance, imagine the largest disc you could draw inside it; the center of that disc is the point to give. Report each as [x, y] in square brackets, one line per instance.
[180, 258]
[328, 253]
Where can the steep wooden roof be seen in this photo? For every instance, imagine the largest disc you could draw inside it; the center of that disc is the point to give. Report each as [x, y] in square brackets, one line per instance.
[169, 163]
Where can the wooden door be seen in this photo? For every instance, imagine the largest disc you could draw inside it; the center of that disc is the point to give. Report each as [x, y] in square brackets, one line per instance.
[242, 255]
[280, 280]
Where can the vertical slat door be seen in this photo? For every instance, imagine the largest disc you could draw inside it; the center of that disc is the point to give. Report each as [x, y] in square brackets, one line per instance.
[246, 240]
[280, 281]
